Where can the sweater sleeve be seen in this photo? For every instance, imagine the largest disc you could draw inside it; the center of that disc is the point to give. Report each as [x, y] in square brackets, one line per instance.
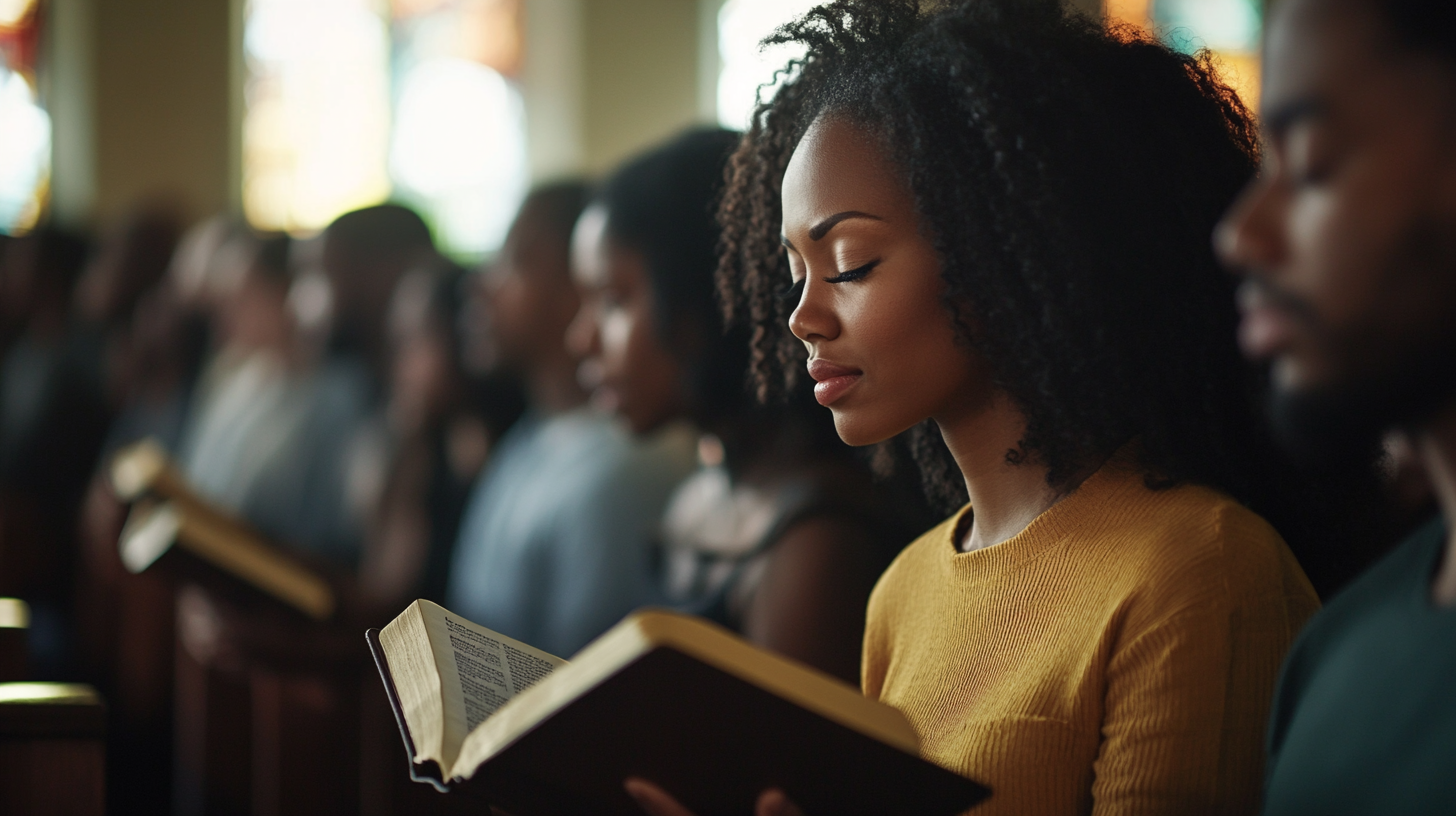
[1186, 706]
[1188, 692]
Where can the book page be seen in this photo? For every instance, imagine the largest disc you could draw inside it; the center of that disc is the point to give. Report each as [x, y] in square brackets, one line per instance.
[491, 668]
[479, 671]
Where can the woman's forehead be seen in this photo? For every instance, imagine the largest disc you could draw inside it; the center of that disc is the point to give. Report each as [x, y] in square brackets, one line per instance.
[840, 165]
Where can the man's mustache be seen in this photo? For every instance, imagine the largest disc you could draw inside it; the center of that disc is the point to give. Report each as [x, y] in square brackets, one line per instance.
[1257, 292]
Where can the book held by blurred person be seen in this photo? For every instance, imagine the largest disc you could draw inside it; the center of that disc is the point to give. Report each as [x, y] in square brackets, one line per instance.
[170, 522]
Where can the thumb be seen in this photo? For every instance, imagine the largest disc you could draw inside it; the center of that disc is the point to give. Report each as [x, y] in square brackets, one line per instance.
[774, 802]
[654, 800]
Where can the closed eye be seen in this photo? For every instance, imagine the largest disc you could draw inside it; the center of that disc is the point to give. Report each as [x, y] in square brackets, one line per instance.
[852, 274]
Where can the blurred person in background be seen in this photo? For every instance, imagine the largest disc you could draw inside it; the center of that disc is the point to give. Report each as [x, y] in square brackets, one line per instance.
[130, 260]
[124, 621]
[40, 374]
[442, 423]
[132, 257]
[169, 339]
[247, 440]
[289, 431]
[1346, 243]
[277, 422]
[780, 534]
[559, 537]
[52, 419]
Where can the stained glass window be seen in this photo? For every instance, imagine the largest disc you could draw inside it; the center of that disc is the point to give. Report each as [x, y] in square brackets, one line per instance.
[459, 147]
[316, 132]
[25, 128]
[352, 102]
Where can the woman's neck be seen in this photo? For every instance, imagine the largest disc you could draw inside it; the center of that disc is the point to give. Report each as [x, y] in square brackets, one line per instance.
[1005, 497]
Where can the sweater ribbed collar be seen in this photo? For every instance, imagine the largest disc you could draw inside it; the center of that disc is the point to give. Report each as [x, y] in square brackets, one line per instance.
[1116, 489]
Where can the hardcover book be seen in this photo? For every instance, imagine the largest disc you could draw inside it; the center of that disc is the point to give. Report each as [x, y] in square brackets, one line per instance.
[667, 697]
[168, 519]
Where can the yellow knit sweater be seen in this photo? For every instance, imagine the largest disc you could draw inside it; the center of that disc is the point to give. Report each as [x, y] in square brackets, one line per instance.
[1115, 657]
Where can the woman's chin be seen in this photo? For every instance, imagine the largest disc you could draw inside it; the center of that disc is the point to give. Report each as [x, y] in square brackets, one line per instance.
[856, 431]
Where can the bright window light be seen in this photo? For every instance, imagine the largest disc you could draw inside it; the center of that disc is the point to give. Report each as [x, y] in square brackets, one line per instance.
[459, 149]
[316, 132]
[14, 12]
[352, 102]
[742, 25]
[25, 153]
[1219, 25]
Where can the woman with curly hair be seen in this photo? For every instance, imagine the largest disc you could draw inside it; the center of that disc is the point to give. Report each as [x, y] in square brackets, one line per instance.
[990, 222]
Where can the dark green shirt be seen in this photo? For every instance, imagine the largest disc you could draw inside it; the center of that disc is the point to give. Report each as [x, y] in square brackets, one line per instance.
[1365, 717]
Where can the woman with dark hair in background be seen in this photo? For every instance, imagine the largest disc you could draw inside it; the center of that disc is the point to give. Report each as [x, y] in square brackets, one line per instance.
[442, 423]
[991, 220]
[780, 534]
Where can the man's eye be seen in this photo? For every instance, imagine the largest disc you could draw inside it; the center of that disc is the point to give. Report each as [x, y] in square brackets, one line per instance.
[1310, 158]
[1312, 175]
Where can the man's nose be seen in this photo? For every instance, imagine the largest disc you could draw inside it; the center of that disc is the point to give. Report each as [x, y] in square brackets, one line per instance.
[1250, 234]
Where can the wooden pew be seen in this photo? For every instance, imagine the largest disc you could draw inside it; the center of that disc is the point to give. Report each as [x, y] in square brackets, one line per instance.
[213, 738]
[14, 624]
[52, 750]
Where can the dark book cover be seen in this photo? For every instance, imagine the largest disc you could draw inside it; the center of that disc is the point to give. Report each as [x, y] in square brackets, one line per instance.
[711, 739]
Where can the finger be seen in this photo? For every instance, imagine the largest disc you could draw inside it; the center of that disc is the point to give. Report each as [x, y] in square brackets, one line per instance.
[654, 800]
[774, 802]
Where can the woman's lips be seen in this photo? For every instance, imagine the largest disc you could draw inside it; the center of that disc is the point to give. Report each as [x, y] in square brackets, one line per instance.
[831, 380]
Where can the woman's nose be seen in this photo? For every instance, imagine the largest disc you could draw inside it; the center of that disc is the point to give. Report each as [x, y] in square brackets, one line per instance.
[814, 317]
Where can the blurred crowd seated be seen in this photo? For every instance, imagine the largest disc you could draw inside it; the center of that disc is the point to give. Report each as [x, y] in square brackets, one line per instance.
[364, 401]
[318, 389]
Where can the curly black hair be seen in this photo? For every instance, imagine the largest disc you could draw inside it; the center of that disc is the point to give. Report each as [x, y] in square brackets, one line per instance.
[1069, 176]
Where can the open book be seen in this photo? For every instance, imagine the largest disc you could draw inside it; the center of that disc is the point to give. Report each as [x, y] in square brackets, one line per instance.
[167, 515]
[667, 697]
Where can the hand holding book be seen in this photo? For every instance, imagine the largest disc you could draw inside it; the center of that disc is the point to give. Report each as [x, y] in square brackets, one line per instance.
[657, 802]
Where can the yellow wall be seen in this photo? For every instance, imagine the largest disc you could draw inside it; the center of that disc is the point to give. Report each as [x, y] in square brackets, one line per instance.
[154, 77]
[640, 63]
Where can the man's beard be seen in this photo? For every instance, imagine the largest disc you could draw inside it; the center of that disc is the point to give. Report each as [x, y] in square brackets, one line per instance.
[1341, 425]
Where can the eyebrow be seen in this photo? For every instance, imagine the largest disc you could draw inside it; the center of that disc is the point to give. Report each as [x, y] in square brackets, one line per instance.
[822, 228]
[1278, 121]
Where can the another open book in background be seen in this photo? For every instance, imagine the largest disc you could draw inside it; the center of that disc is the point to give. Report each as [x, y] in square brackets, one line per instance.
[168, 517]
[670, 698]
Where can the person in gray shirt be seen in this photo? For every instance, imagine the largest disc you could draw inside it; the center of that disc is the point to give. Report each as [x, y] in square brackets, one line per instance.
[559, 538]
